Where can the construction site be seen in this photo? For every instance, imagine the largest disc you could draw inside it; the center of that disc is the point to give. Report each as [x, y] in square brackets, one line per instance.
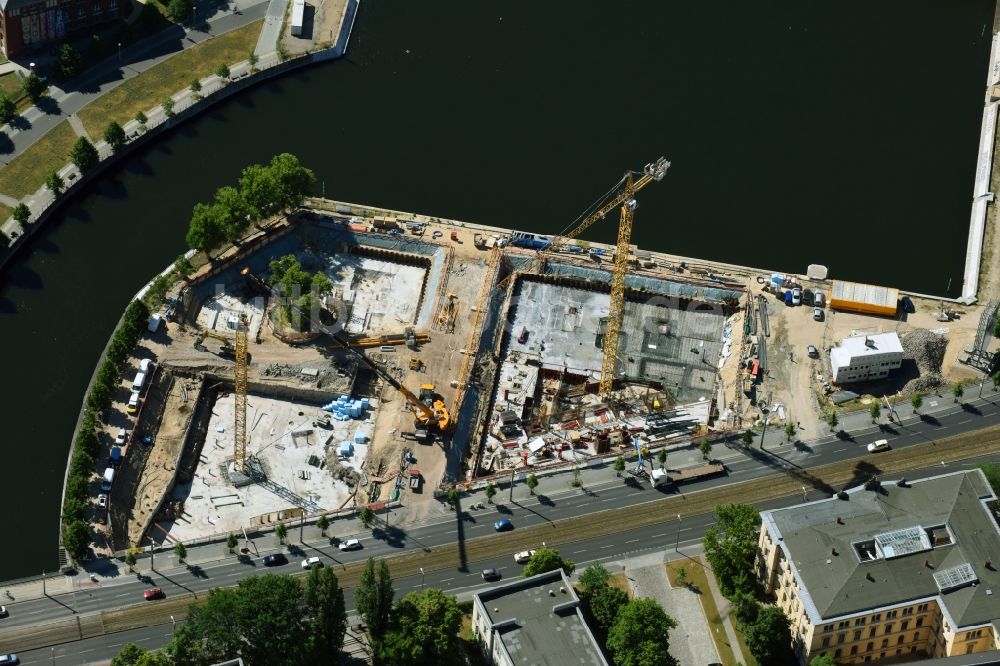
[440, 354]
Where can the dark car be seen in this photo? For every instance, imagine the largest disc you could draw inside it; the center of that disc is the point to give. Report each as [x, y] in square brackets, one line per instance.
[503, 525]
[907, 305]
[491, 574]
[155, 593]
[275, 560]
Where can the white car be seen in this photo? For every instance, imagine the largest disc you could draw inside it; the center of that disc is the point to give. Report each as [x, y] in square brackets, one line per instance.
[880, 445]
[523, 556]
[350, 544]
[3, 611]
[311, 562]
[102, 501]
[122, 434]
[796, 296]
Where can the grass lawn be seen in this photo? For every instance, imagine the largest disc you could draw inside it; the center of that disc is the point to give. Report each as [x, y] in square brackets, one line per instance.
[154, 85]
[5, 212]
[10, 83]
[697, 579]
[26, 173]
[467, 645]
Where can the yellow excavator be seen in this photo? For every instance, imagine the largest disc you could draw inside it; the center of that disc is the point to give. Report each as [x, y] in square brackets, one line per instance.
[227, 342]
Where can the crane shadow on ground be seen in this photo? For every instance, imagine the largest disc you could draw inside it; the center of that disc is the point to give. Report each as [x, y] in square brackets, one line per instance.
[463, 556]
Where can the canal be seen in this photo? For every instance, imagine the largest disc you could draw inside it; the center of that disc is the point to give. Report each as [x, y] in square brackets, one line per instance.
[835, 133]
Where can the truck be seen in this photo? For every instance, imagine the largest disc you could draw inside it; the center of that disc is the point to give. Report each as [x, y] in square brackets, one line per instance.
[661, 477]
[415, 480]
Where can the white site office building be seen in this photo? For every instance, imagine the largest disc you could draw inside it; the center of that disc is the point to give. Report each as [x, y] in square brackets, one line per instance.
[862, 358]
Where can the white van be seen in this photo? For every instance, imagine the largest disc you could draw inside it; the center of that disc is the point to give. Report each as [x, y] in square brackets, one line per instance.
[107, 479]
[154, 322]
[139, 381]
[145, 365]
[133, 403]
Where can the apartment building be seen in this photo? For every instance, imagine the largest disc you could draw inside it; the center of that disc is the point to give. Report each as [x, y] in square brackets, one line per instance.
[27, 25]
[893, 571]
[862, 358]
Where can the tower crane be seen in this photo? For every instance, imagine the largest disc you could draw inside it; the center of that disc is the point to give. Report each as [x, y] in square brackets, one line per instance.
[240, 382]
[623, 195]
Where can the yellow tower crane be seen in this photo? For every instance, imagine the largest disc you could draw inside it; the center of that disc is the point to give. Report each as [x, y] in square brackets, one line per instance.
[626, 190]
[240, 382]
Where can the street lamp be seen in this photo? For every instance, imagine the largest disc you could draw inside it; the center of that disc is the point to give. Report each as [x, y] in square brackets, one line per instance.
[677, 541]
[804, 493]
[119, 51]
[53, 655]
[31, 66]
[173, 625]
[421, 579]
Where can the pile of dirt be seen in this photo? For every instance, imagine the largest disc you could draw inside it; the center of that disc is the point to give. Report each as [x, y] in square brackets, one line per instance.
[340, 472]
[927, 350]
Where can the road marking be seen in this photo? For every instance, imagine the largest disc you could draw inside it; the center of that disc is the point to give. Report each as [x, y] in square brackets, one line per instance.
[632, 541]
[610, 545]
[965, 421]
[657, 536]
[577, 552]
[580, 506]
[445, 580]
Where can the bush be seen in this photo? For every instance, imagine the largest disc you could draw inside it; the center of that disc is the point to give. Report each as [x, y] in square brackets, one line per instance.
[84, 155]
[76, 538]
[179, 10]
[8, 109]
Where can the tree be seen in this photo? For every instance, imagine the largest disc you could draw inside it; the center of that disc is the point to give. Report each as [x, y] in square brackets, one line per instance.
[373, 597]
[8, 109]
[181, 550]
[640, 635]
[832, 420]
[295, 181]
[619, 465]
[996, 381]
[252, 59]
[141, 118]
[661, 456]
[770, 637]
[281, 531]
[231, 542]
[223, 71]
[206, 228]
[576, 482]
[76, 538]
[917, 399]
[128, 656]
[323, 523]
[594, 577]
[195, 88]
[130, 559]
[532, 483]
[682, 576]
[168, 107]
[114, 135]
[325, 600]
[183, 265]
[875, 411]
[261, 190]
[452, 498]
[233, 212]
[367, 516]
[604, 603]
[84, 155]
[747, 437]
[958, 391]
[731, 545]
[69, 62]
[490, 492]
[992, 472]
[22, 214]
[179, 10]
[823, 660]
[790, 431]
[547, 559]
[33, 87]
[424, 630]
[706, 448]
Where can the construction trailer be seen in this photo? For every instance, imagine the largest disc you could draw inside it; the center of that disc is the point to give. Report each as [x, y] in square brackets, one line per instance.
[298, 17]
[864, 298]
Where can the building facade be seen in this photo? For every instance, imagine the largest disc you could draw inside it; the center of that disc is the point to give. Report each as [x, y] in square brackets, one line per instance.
[27, 25]
[894, 572]
[863, 358]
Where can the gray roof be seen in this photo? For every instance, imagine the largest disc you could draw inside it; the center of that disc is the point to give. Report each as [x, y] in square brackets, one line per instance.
[837, 583]
[537, 627]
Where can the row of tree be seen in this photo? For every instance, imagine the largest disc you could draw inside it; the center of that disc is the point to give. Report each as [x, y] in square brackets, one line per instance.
[86, 446]
[297, 290]
[262, 191]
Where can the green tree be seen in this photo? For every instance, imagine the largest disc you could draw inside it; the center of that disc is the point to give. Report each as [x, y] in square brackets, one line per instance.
[181, 550]
[605, 603]
[323, 523]
[490, 491]
[114, 135]
[747, 437]
[84, 155]
[168, 107]
[706, 448]
[231, 542]
[252, 59]
[179, 10]
[207, 228]
[745, 607]
[33, 87]
[8, 108]
[261, 190]
[770, 637]
[22, 214]
[619, 465]
[532, 483]
[875, 411]
[682, 576]
[76, 538]
[232, 210]
[823, 660]
[366, 516]
[640, 635]
[452, 498]
[130, 559]
[576, 481]
[790, 431]
[281, 531]
[547, 559]
[223, 71]
[195, 88]
[958, 391]
[129, 655]
[832, 420]
[325, 600]
[183, 265]
[917, 400]
[74, 508]
[154, 658]
[295, 181]
[69, 62]
[995, 378]
[992, 472]
[141, 118]
[424, 630]
[594, 577]
[661, 456]
[373, 597]
[731, 545]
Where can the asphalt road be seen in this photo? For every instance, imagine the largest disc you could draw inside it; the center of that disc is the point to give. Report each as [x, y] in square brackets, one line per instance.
[672, 534]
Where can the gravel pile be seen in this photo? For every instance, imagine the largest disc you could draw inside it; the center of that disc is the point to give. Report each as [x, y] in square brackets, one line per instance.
[927, 350]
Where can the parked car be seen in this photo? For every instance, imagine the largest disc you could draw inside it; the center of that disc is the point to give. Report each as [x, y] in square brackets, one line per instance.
[311, 562]
[122, 434]
[812, 352]
[788, 298]
[153, 593]
[437, 234]
[102, 501]
[523, 556]
[819, 298]
[3, 611]
[908, 305]
[491, 574]
[807, 297]
[796, 296]
[275, 560]
[818, 314]
[9, 659]
[879, 445]
[350, 544]
[503, 525]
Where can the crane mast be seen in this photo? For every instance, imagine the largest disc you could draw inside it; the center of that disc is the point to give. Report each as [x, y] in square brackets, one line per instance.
[240, 382]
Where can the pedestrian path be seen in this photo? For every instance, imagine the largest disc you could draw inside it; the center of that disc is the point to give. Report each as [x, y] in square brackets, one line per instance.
[77, 125]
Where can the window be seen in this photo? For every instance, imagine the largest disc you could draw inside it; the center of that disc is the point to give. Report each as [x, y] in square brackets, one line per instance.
[885, 643]
[857, 635]
[913, 649]
[836, 655]
[899, 652]
[97, 7]
[827, 629]
[859, 622]
[908, 610]
[871, 646]
[921, 608]
[903, 627]
[916, 636]
[899, 641]
[920, 621]
[888, 628]
[969, 648]
[840, 639]
[890, 615]
[113, 5]
[854, 649]
[871, 633]
[877, 618]
[843, 625]
[826, 641]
